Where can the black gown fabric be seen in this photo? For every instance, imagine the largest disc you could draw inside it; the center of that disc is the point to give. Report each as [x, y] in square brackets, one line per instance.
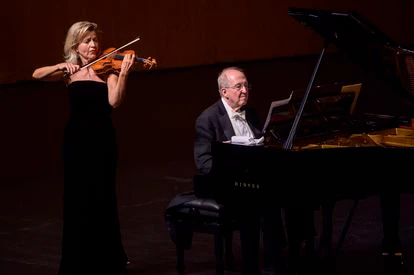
[91, 241]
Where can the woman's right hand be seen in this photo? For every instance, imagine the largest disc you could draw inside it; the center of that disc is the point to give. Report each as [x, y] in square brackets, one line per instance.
[55, 72]
[68, 68]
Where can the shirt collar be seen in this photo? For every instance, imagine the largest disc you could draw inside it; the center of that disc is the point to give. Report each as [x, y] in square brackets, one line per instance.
[240, 113]
[231, 112]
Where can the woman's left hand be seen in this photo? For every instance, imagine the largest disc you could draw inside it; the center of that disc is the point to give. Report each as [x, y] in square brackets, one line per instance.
[127, 63]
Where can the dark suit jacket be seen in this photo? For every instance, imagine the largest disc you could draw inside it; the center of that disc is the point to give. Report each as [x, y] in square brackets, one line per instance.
[213, 124]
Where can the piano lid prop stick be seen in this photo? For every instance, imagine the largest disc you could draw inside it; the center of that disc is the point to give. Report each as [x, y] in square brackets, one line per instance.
[289, 141]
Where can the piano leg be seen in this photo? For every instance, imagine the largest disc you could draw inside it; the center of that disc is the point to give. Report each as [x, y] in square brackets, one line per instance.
[326, 256]
[300, 229]
[250, 241]
[345, 228]
[391, 246]
[390, 212]
[274, 240]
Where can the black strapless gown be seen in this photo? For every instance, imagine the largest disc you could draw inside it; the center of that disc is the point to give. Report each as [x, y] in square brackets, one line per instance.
[91, 242]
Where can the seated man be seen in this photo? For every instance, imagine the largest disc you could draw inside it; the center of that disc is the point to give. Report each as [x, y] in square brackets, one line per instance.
[226, 118]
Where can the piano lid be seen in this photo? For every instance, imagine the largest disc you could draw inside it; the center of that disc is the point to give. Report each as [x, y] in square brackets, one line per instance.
[352, 34]
[344, 29]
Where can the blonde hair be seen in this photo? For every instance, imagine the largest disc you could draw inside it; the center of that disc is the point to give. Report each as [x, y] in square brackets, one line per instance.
[74, 36]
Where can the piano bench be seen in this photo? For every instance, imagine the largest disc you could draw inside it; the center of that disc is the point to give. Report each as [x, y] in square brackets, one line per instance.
[187, 214]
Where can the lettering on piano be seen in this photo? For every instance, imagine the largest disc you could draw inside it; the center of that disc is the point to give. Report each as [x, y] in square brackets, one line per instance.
[246, 185]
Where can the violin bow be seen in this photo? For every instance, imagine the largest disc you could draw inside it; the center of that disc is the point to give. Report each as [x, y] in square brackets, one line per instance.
[108, 54]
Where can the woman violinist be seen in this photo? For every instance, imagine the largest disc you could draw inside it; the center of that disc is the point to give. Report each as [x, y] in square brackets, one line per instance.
[91, 240]
[81, 48]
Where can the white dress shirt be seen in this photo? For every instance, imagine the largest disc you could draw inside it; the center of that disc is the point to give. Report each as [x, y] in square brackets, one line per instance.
[238, 121]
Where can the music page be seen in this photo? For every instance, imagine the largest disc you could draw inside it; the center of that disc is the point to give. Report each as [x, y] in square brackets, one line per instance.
[274, 105]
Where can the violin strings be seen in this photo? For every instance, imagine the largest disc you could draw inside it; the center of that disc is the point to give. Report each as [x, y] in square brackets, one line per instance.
[108, 54]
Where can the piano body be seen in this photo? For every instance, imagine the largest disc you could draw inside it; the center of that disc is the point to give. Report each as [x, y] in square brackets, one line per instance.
[315, 135]
[315, 153]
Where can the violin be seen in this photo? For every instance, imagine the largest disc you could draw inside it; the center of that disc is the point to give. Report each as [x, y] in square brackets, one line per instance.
[112, 62]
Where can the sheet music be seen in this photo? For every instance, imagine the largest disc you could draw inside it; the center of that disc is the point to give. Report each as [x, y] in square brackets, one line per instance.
[274, 105]
[245, 140]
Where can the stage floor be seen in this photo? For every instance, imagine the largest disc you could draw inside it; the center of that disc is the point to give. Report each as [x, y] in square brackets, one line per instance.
[31, 228]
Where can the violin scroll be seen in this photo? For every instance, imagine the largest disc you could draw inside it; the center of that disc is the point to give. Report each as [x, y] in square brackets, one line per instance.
[148, 62]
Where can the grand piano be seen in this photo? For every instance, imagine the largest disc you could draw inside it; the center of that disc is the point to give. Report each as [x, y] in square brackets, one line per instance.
[315, 152]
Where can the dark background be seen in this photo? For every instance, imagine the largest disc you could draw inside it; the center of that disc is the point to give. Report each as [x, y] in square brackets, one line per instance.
[192, 41]
[180, 33]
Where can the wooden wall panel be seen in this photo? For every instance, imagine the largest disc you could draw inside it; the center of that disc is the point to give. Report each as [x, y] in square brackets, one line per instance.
[181, 33]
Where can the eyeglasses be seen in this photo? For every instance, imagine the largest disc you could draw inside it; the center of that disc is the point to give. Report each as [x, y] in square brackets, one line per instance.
[239, 86]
